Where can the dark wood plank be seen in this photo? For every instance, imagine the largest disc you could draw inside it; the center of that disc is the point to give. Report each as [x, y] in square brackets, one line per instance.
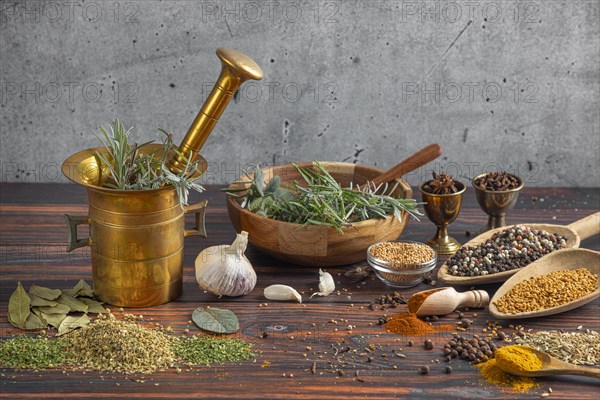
[32, 243]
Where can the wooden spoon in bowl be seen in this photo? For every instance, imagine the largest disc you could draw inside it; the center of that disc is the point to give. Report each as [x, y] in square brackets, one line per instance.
[555, 261]
[554, 366]
[417, 160]
[574, 232]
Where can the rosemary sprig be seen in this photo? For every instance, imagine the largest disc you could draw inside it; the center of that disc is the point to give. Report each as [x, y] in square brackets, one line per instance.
[322, 201]
[132, 169]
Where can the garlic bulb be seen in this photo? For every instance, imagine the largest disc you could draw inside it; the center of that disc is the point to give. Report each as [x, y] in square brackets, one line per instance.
[224, 270]
[282, 292]
[326, 284]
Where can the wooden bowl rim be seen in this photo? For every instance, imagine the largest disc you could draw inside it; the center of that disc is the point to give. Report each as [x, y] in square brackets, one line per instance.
[373, 221]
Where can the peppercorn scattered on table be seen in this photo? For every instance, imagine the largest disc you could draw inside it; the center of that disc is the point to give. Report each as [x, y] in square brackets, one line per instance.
[327, 347]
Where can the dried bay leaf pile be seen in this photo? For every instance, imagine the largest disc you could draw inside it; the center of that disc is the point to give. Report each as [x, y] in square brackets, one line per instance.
[43, 306]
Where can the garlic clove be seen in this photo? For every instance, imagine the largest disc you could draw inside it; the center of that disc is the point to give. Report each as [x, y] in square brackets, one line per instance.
[282, 292]
[224, 270]
[326, 284]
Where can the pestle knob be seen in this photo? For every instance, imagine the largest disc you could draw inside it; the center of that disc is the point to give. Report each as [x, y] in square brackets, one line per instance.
[445, 300]
[236, 68]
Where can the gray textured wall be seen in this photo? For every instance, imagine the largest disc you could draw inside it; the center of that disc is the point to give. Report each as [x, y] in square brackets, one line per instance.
[499, 84]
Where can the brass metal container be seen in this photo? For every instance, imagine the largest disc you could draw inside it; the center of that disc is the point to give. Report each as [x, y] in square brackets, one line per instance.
[442, 210]
[496, 204]
[136, 237]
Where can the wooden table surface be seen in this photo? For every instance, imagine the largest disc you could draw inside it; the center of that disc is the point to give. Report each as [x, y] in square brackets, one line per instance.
[32, 242]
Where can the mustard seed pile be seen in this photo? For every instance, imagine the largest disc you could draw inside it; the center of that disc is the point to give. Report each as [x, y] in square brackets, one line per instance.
[546, 291]
[403, 253]
[509, 249]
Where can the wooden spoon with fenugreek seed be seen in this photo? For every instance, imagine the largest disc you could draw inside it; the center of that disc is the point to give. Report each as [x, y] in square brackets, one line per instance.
[553, 366]
[559, 260]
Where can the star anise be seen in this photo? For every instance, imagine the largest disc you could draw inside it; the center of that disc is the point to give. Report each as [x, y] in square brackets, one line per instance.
[440, 184]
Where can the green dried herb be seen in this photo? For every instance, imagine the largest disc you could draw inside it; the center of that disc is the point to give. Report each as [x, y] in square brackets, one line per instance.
[73, 303]
[54, 319]
[33, 352]
[44, 292]
[206, 350]
[35, 322]
[18, 307]
[216, 320]
[321, 200]
[57, 309]
[69, 324]
[80, 289]
[39, 301]
[93, 306]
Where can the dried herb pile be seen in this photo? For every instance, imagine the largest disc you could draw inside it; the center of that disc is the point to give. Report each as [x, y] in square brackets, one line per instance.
[125, 346]
[33, 352]
[206, 350]
[321, 200]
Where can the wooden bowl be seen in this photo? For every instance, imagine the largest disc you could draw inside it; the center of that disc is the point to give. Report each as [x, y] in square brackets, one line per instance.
[315, 245]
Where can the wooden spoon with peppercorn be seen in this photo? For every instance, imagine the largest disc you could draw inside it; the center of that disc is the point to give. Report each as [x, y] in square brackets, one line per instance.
[561, 260]
[473, 269]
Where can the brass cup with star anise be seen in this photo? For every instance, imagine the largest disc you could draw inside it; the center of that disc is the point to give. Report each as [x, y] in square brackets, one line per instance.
[442, 209]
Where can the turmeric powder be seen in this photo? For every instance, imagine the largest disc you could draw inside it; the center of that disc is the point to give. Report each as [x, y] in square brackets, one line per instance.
[515, 359]
[496, 375]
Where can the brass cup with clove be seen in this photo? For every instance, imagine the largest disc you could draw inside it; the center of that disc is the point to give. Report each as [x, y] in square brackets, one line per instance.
[442, 210]
[496, 203]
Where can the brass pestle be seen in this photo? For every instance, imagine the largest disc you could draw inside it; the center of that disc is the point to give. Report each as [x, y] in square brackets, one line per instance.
[236, 69]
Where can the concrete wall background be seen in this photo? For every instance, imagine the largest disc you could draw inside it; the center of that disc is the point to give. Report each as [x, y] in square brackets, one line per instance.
[501, 85]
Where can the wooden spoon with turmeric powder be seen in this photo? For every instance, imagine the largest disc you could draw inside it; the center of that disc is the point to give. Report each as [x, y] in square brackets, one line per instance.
[527, 361]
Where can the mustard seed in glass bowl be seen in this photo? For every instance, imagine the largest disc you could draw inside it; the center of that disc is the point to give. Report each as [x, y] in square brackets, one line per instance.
[401, 264]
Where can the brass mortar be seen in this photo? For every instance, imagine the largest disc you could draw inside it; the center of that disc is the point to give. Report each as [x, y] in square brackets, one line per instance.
[137, 236]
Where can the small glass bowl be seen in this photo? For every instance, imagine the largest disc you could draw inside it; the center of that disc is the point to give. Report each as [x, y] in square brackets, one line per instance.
[400, 275]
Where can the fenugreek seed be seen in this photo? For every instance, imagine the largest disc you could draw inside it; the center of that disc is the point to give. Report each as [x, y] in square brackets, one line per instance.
[549, 290]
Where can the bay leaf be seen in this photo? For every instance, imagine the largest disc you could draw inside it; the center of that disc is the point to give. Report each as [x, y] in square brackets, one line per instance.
[18, 307]
[216, 320]
[39, 301]
[57, 309]
[44, 292]
[73, 303]
[93, 305]
[54, 319]
[35, 322]
[80, 289]
[69, 324]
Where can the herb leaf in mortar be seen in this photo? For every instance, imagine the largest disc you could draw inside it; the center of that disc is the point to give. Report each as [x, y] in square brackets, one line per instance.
[216, 320]
[18, 307]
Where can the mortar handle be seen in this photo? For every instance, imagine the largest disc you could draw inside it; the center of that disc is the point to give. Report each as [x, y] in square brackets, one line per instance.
[198, 210]
[587, 227]
[236, 68]
[73, 241]
[413, 162]
[474, 298]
